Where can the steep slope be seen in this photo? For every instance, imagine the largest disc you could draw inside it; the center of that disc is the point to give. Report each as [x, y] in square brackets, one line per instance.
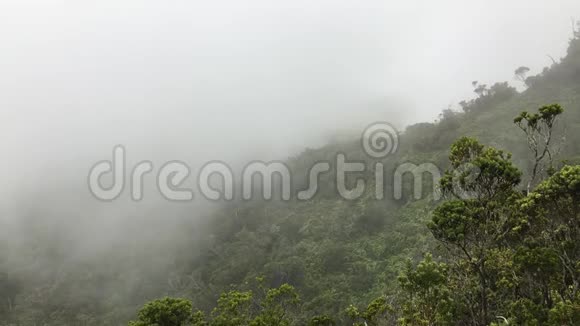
[338, 252]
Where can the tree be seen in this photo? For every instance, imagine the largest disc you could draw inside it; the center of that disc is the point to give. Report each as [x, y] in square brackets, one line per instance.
[465, 106]
[426, 298]
[275, 306]
[376, 313]
[539, 129]
[520, 74]
[234, 308]
[164, 312]
[472, 226]
[480, 89]
[554, 210]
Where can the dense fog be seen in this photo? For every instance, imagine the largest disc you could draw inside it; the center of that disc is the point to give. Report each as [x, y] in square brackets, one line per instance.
[223, 80]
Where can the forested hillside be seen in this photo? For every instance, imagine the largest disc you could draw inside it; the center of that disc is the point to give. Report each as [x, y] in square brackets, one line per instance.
[507, 254]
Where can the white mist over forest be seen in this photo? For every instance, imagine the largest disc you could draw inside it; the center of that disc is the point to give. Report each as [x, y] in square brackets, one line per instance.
[233, 81]
[221, 80]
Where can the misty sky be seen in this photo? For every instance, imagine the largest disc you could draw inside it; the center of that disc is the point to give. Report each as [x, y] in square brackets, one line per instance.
[226, 79]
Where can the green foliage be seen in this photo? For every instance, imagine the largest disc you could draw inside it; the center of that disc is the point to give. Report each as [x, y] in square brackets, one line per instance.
[376, 313]
[488, 97]
[426, 298]
[276, 305]
[234, 308]
[478, 171]
[553, 211]
[518, 254]
[499, 252]
[474, 226]
[164, 312]
[323, 320]
[539, 130]
[565, 313]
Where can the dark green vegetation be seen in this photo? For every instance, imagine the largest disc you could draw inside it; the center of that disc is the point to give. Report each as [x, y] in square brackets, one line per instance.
[509, 256]
[504, 246]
